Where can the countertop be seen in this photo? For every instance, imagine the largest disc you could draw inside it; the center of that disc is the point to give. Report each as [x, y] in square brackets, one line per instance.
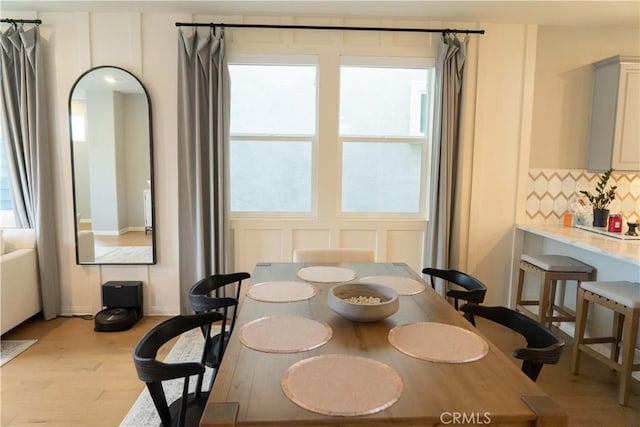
[625, 250]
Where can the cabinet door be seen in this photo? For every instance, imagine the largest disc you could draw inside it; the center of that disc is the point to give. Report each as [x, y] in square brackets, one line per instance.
[626, 146]
[614, 133]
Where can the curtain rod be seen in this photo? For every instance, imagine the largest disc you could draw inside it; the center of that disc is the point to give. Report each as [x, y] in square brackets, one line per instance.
[21, 21]
[323, 27]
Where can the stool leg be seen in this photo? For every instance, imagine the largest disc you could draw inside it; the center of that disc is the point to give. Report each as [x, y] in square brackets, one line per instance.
[630, 331]
[582, 310]
[552, 302]
[520, 286]
[543, 308]
[618, 323]
[560, 299]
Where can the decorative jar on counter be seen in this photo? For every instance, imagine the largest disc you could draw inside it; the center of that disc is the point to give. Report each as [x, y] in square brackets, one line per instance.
[615, 223]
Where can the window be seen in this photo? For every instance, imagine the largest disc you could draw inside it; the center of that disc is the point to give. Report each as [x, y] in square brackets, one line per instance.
[384, 129]
[273, 129]
[382, 111]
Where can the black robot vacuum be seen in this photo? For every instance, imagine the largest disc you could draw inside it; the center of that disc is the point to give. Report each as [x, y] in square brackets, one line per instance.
[123, 306]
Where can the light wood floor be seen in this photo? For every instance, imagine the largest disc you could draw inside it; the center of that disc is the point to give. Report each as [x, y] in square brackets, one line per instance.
[131, 238]
[74, 376]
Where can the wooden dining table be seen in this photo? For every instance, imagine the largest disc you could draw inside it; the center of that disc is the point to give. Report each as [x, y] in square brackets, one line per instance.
[490, 391]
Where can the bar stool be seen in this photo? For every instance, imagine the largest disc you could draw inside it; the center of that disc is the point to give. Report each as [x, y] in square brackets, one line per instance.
[624, 299]
[550, 269]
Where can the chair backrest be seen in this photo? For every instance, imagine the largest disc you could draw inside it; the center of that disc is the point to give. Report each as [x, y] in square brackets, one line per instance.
[207, 295]
[459, 278]
[152, 371]
[543, 346]
[328, 256]
[473, 289]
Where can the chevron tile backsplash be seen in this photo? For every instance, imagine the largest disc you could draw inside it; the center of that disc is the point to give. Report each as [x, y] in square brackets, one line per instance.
[551, 191]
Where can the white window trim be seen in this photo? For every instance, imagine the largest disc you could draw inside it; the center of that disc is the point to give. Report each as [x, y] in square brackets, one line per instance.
[387, 61]
[284, 60]
[250, 59]
[365, 61]
[425, 140]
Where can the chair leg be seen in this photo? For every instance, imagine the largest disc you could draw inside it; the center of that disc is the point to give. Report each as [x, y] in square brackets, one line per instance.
[630, 332]
[582, 310]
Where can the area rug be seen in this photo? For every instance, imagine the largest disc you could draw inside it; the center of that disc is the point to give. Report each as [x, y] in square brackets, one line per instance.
[11, 348]
[188, 348]
[132, 254]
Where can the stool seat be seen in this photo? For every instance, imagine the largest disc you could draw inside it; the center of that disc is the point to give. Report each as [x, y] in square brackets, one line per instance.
[623, 298]
[625, 293]
[551, 270]
[557, 263]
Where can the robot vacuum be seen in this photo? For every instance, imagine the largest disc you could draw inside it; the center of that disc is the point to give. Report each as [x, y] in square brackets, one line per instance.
[115, 319]
[122, 302]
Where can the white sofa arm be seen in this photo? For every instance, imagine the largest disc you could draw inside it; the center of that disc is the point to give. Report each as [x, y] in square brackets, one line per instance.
[18, 238]
[19, 287]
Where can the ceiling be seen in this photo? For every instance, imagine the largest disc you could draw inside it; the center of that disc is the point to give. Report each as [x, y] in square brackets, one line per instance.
[608, 13]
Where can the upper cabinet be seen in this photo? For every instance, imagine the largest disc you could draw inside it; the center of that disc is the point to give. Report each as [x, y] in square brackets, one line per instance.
[614, 134]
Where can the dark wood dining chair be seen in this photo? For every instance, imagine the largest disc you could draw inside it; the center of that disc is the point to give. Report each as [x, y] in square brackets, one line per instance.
[212, 294]
[469, 288]
[188, 409]
[543, 346]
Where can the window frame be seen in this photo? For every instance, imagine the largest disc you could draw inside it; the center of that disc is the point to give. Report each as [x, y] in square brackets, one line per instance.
[280, 60]
[426, 140]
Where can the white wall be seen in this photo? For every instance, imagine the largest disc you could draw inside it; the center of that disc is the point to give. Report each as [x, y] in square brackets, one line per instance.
[76, 42]
[501, 127]
[137, 150]
[563, 90]
[498, 121]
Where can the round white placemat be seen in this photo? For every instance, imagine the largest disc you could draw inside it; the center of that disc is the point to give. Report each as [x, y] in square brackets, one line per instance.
[282, 291]
[402, 285]
[340, 384]
[438, 342]
[326, 274]
[284, 334]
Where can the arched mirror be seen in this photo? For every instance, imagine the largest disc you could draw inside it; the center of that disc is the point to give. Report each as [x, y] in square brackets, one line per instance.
[112, 161]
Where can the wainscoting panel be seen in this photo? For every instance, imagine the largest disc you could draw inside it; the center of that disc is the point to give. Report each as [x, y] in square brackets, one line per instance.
[406, 246]
[260, 245]
[358, 239]
[309, 239]
[274, 241]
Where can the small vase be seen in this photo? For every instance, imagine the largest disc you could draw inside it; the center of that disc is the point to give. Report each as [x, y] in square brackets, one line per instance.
[600, 217]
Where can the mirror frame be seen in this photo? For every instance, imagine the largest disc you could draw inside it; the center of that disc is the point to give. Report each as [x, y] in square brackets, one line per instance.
[151, 171]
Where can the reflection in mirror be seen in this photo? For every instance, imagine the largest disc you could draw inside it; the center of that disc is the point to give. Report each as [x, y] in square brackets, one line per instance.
[111, 153]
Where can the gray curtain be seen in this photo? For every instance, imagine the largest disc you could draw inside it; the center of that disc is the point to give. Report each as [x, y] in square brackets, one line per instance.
[443, 215]
[28, 154]
[203, 124]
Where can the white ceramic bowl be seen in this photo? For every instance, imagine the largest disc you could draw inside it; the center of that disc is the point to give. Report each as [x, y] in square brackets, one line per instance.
[389, 302]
